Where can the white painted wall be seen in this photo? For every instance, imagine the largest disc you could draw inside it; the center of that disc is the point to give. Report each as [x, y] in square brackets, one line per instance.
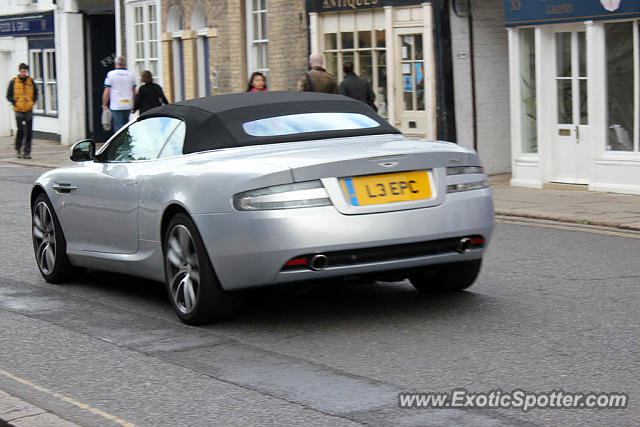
[490, 50]
[71, 77]
[13, 51]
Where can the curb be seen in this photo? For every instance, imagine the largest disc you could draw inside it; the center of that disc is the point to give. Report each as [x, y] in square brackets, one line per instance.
[573, 220]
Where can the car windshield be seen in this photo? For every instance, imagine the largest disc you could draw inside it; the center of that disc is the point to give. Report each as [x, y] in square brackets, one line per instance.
[308, 122]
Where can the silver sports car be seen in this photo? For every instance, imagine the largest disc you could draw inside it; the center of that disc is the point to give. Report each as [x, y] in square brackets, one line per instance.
[230, 192]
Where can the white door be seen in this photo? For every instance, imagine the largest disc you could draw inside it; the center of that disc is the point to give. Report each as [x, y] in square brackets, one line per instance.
[411, 114]
[571, 143]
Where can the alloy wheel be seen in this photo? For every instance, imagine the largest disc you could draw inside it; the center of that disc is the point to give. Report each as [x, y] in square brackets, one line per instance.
[44, 236]
[183, 269]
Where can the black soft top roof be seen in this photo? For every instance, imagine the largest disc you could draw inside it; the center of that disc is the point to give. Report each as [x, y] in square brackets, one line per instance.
[216, 121]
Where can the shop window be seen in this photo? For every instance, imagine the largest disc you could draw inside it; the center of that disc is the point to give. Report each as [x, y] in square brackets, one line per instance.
[257, 37]
[146, 49]
[622, 90]
[42, 70]
[358, 37]
[528, 102]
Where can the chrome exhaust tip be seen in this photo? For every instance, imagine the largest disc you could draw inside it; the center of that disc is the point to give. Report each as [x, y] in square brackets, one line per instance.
[318, 262]
[464, 245]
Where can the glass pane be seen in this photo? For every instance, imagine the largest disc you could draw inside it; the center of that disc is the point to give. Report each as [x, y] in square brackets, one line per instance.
[620, 85]
[153, 67]
[407, 42]
[154, 49]
[152, 12]
[153, 31]
[584, 115]
[418, 40]
[330, 41]
[364, 39]
[52, 97]
[582, 53]
[380, 38]
[331, 61]
[565, 107]
[173, 146]
[40, 102]
[366, 66]
[265, 57]
[563, 54]
[138, 14]
[347, 40]
[256, 4]
[381, 90]
[407, 86]
[418, 72]
[347, 57]
[308, 122]
[256, 26]
[263, 28]
[528, 104]
[263, 4]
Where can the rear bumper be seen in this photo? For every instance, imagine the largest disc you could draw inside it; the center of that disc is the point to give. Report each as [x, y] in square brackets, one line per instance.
[249, 249]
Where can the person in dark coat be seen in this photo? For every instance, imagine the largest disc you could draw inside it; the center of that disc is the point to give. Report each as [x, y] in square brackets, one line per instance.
[150, 94]
[317, 79]
[356, 87]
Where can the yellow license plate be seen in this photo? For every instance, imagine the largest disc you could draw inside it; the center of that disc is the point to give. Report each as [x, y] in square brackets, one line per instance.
[387, 188]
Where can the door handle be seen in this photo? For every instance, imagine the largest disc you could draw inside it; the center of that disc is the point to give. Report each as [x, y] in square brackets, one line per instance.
[63, 187]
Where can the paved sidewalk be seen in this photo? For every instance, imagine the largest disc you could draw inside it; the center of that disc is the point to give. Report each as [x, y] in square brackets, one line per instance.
[18, 413]
[569, 203]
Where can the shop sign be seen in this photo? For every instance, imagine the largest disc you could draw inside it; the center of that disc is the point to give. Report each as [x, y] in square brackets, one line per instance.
[531, 12]
[337, 5]
[22, 25]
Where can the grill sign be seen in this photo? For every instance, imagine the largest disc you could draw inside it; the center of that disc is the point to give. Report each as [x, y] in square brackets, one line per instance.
[387, 188]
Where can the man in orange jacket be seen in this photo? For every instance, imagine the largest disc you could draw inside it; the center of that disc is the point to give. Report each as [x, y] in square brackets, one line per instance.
[23, 93]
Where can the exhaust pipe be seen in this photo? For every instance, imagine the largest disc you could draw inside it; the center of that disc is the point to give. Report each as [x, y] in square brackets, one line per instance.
[318, 262]
[464, 245]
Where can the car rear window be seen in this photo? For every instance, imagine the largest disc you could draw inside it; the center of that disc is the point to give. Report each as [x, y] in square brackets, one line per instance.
[308, 122]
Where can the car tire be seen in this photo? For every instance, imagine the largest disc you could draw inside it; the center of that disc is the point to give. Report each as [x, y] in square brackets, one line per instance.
[49, 244]
[446, 277]
[192, 285]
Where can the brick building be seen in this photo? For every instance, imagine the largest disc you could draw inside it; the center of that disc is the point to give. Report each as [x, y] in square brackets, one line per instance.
[211, 47]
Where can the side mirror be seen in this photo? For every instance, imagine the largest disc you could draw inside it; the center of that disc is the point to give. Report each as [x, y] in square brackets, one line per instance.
[83, 151]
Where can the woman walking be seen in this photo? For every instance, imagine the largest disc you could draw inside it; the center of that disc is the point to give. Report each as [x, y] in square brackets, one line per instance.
[257, 83]
[150, 94]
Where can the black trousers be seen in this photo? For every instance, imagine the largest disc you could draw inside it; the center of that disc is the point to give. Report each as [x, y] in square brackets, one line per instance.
[24, 120]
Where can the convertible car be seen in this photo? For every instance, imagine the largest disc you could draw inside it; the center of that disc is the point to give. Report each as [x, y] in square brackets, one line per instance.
[230, 192]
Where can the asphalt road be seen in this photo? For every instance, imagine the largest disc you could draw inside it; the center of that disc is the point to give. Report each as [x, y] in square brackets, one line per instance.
[555, 307]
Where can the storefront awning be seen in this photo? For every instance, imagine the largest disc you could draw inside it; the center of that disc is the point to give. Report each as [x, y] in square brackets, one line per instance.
[533, 12]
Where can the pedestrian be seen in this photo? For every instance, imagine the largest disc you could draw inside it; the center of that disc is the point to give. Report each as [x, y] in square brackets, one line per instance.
[257, 82]
[23, 94]
[119, 93]
[317, 79]
[150, 94]
[356, 87]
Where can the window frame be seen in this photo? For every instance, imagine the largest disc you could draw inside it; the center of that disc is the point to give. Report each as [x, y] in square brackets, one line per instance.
[255, 43]
[40, 67]
[149, 24]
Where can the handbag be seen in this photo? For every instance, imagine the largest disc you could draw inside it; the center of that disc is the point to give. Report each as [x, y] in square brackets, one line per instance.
[106, 119]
